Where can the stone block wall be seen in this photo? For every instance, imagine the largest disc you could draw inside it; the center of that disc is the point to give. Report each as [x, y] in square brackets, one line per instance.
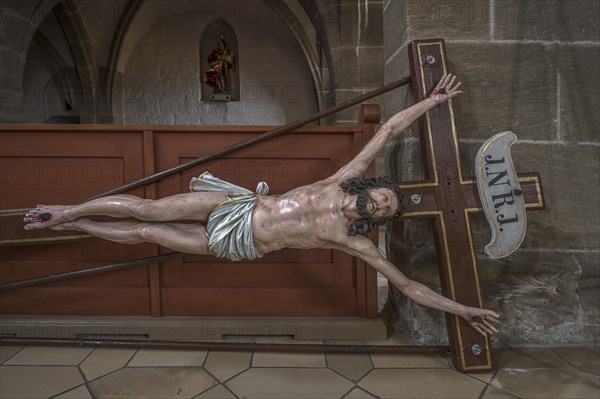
[530, 67]
[163, 72]
[354, 31]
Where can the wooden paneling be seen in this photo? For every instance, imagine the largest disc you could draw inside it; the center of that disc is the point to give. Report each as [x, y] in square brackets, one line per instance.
[41, 167]
[64, 168]
[67, 164]
[284, 163]
[266, 302]
[76, 300]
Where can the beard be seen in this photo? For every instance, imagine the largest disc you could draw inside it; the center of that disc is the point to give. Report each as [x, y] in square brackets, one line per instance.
[368, 222]
[362, 204]
[361, 187]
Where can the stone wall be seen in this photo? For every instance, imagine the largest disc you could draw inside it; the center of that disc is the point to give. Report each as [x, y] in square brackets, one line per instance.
[354, 31]
[79, 47]
[127, 53]
[162, 78]
[530, 67]
[278, 59]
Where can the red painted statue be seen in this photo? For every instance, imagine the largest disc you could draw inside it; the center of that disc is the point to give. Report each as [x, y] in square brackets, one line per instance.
[221, 60]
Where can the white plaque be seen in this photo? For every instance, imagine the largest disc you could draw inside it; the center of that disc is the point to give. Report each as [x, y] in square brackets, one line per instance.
[501, 196]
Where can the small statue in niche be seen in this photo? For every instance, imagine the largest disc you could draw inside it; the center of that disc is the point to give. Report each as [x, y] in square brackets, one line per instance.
[221, 60]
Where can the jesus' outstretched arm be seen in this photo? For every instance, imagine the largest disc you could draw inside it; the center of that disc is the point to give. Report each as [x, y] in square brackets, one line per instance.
[364, 248]
[378, 204]
[445, 90]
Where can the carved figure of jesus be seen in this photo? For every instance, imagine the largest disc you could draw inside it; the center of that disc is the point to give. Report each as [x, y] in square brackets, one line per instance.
[337, 213]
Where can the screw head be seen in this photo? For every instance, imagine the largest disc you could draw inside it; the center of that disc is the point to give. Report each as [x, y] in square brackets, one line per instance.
[476, 349]
[430, 59]
[415, 198]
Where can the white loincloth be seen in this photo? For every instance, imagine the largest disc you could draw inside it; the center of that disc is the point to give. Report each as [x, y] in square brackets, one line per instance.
[229, 229]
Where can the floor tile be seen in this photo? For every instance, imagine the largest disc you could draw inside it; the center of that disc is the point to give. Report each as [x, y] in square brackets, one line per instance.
[384, 360]
[351, 365]
[152, 382]
[6, 352]
[289, 383]
[36, 381]
[56, 356]
[583, 359]
[163, 357]
[225, 365]
[277, 359]
[358, 393]
[495, 393]
[421, 383]
[77, 393]
[216, 392]
[485, 377]
[104, 360]
[548, 383]
[527, 359]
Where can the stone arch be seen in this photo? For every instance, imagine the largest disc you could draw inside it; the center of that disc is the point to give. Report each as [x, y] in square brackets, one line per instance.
[308, 30]
[304, 21]
[114, 82]
[34, 19]
[83, 54]
[22, 25]
[20, 22]
[60, 97]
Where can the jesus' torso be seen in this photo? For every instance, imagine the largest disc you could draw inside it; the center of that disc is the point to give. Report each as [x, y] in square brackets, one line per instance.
[306, 217]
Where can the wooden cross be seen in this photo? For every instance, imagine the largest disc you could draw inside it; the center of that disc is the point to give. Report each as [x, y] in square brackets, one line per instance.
[448, 199]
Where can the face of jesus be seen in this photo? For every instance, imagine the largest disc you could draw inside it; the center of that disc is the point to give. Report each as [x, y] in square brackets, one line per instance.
[377, 203]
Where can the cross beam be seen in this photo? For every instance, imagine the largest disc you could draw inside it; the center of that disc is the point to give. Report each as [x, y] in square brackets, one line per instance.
[449, 200]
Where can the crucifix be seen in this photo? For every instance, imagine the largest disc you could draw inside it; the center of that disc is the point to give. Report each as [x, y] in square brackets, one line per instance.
[448, 200]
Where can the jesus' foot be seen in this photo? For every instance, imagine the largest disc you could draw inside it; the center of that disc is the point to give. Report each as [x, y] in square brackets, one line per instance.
[45, 216]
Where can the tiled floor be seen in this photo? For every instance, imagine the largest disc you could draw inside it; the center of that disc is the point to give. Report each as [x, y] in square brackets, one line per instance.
[51, 372]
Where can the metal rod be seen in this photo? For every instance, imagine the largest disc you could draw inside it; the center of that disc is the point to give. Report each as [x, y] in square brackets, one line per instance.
[246, 143]
[157, 176]
[89, 271]
[225, 346]
[5, 212]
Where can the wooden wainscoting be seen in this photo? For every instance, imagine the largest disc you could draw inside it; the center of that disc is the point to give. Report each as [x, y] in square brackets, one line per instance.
[65, 164]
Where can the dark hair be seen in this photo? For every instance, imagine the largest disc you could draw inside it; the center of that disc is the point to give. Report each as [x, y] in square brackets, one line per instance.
[361, 186]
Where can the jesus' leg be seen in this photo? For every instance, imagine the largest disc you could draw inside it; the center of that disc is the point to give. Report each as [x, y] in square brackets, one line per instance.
[190, 206]
[188, 238]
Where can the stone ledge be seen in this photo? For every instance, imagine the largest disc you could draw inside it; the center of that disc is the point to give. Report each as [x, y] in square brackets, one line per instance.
[230, 329]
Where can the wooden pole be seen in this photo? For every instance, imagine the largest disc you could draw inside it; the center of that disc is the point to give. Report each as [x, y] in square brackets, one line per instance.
[224, 346]
[90, 271]
[157, 176]
[246, 143]
[238, 146]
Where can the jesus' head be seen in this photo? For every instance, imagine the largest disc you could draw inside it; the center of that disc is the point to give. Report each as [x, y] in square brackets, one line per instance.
[378, 201]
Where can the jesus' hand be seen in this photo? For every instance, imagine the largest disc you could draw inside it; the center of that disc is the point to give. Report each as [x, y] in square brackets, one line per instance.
[480, 319]
[445, 89]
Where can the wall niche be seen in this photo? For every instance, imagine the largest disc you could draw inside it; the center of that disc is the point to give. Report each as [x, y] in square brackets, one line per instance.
[219, 63]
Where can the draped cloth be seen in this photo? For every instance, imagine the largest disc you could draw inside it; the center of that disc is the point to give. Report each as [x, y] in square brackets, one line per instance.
[229, 229]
